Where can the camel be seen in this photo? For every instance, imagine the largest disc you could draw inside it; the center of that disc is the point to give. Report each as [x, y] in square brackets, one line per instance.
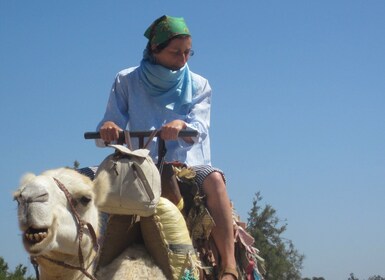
[58, 216]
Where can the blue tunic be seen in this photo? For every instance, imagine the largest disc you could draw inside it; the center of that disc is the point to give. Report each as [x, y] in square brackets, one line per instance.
[131, 108]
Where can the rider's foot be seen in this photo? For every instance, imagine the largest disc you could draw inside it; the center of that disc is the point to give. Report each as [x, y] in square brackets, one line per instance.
[229, 274]
[228, 277]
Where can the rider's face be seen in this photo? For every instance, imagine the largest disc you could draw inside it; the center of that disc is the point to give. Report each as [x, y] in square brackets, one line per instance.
[176, 54]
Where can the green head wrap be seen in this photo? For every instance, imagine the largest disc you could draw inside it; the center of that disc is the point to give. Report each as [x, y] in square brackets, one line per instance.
[165, 28]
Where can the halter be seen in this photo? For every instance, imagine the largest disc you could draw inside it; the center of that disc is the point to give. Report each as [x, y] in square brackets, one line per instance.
[80, 225]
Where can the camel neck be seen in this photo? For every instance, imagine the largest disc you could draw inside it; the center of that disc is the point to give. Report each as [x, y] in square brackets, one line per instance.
[51, 271]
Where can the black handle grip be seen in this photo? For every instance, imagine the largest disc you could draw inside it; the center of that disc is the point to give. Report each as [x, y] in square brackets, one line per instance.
[182, 133]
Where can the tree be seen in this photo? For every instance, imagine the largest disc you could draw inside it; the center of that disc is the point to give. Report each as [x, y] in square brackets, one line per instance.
[352, 277]
[76, 164]
[3, 269]
[18, 274]
[376, 277]
[282, 260]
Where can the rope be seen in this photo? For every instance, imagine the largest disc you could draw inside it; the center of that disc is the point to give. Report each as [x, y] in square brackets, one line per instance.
[81, 225]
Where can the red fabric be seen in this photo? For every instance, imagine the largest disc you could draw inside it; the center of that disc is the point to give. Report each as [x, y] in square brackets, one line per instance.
[250, 270]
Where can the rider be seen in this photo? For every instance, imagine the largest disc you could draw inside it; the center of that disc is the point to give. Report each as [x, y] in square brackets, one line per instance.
[162, 93]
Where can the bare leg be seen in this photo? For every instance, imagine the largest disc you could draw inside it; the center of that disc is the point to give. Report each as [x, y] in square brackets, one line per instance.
[219, 206]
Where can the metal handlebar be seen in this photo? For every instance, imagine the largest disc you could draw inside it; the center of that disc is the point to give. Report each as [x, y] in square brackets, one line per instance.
[142, 134]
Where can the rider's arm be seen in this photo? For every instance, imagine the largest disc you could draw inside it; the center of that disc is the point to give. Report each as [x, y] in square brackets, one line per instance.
[116, 114]
[170, 130]
[199, 116]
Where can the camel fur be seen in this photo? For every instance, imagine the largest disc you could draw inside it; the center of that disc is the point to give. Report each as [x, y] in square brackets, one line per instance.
[49, 228]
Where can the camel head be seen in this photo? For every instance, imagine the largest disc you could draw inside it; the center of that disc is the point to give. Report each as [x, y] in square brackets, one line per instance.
[51, 229]
[46, 217]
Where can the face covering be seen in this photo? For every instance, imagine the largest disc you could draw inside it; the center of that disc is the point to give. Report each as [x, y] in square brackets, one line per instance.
[169, 88]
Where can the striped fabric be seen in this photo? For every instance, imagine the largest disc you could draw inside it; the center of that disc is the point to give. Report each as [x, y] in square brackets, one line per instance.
[88, 171]
[202, 171]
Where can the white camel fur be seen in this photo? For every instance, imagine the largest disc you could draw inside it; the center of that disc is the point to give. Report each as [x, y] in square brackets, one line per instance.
[49, 228]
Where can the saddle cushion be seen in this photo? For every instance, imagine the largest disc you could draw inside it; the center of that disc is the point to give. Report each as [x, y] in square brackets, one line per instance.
[166, 237]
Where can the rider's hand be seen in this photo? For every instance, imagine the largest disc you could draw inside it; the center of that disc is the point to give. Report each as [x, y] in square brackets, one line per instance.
[171, 130]
[109, 132]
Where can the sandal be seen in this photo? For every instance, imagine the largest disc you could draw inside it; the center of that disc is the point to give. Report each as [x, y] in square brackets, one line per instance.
[230, 271]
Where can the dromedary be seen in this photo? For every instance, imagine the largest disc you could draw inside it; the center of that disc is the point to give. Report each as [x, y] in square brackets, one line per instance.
[58, 215]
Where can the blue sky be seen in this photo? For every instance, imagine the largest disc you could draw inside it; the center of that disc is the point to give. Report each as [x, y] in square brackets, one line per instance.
[298, 108]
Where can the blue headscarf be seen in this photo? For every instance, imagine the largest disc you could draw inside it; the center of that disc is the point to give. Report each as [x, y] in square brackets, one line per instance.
[169, 88]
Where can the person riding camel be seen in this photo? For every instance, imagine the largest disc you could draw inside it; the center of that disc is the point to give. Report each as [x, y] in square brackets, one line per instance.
[163, 93]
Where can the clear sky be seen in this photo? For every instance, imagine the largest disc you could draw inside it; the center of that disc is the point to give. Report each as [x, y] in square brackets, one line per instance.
[297, 110]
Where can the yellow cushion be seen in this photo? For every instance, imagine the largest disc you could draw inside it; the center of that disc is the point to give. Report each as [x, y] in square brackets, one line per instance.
[167, 239]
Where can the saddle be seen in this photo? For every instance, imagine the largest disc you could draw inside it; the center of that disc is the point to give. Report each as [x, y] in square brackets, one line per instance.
[192, 253]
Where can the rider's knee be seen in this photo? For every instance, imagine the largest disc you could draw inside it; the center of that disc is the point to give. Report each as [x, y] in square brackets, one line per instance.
[214, 184]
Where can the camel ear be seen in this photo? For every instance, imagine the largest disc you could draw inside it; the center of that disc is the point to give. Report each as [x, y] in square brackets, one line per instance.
[102, 185]
[27, 178]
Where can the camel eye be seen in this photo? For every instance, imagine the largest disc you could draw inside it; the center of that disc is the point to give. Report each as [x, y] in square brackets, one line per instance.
[84, 200]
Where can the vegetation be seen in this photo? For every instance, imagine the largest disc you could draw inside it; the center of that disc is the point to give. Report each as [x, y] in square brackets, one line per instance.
[76, 164]
[375, 277]
[282, 260]
[18, 274]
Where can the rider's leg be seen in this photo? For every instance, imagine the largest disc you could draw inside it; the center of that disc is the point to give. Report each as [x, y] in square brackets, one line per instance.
[170, 188]
[219, 206]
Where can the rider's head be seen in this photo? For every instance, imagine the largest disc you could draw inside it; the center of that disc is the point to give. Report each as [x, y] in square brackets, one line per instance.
[169, 42]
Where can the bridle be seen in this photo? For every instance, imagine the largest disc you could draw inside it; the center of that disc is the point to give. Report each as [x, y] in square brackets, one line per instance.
[80, 225]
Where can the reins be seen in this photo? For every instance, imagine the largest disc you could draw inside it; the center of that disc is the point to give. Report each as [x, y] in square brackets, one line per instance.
[81, 225]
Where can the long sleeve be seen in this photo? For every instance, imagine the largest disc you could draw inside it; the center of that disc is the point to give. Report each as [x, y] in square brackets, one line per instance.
[199, 116]
[117, 106]
[132, 108]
